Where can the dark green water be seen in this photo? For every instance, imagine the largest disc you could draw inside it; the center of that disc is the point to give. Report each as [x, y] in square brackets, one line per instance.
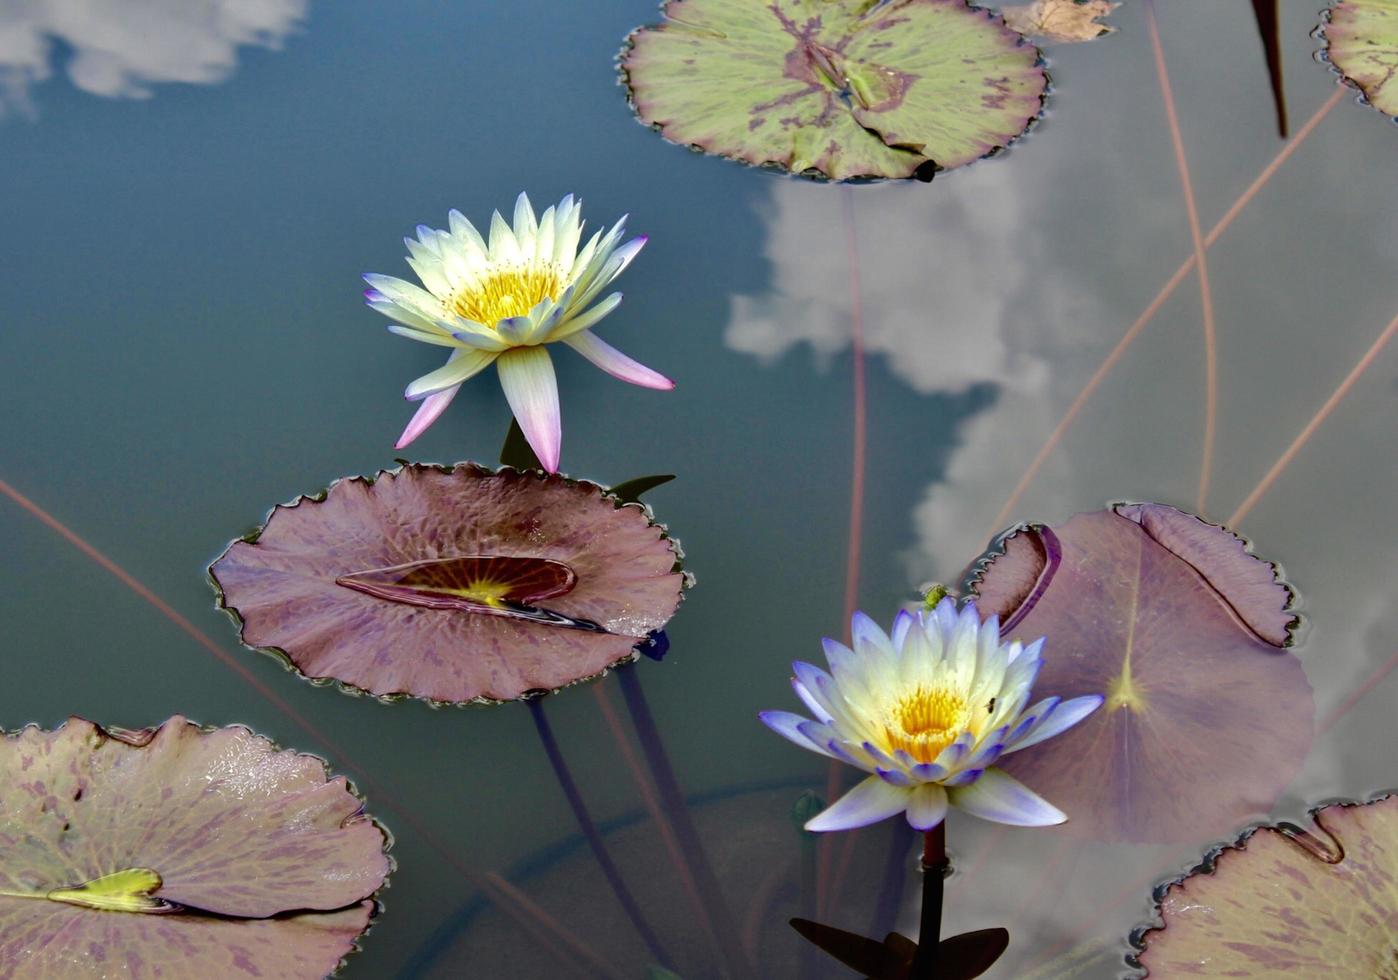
[183, 343]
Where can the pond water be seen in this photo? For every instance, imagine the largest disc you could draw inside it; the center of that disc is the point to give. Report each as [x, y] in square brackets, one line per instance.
[184, 344]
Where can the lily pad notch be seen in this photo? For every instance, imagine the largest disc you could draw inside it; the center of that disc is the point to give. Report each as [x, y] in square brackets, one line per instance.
[835, 89]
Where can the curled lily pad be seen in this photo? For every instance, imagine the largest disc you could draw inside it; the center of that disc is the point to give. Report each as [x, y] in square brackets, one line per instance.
[1207, 715]
[1061, 20]
[180, 852]
[835, 88]
[1361, 38]
[1286, 904]
[453, 584]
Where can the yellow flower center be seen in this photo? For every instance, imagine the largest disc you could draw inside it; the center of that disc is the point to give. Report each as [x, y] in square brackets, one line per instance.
[926, 720]
[506, 292]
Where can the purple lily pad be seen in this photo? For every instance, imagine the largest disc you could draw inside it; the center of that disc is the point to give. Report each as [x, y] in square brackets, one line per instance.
[1207, 716]
[166, 852]
[1280, 904]
[835, 88]
[453, 584]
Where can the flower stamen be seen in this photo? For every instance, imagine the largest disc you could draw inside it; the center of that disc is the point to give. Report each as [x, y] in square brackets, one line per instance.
[925, 720]
[506, 292]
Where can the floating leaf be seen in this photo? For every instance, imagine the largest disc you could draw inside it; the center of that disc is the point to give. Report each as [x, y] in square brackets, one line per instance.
[835, 88]
[1061, 20]
[1272, 906]
[216, 831]
[453, 584]
[1361, 39]
[1207, 718]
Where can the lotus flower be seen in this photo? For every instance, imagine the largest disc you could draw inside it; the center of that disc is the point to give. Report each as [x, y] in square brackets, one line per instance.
[499, 301]
[927, 712]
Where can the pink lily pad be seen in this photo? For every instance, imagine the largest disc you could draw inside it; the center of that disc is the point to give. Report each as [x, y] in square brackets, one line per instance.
[166, 852]
[839, 89]
[453, 584]
[1208, 716]
[1281, 904]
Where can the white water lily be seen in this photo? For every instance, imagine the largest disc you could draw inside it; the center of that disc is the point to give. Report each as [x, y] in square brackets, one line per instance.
[498, 301]
[927, 712]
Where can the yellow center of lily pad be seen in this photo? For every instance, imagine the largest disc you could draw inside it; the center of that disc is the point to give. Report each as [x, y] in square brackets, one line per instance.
[506, 292]
[925, 720]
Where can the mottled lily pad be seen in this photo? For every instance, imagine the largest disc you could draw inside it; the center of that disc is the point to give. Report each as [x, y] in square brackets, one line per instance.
[1208, 716]
[1280, 904]
[1361, 39]
[1061, 20]
[453, 584]
[178, 852]
[835, 88]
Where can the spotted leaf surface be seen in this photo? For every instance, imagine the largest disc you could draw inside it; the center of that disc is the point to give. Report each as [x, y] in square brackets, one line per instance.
[1361, 39]
[1271, 907]
[1207, 715]
[163, 852]
[835, 88]
[454, 584]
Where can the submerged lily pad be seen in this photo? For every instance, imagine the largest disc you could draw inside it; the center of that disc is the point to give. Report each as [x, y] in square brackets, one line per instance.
[1207, 715]
[1361, 39]
[453, 584]
[835, 88]
[1279, 905]
[1061, 20]
[179, 852]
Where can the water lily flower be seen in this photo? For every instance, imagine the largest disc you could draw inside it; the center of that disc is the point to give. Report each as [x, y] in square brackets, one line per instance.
[499, 301]
[928, 711]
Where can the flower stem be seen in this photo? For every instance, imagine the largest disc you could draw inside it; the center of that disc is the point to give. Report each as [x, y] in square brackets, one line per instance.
[934, 867]
[593, 837]
[735, 961]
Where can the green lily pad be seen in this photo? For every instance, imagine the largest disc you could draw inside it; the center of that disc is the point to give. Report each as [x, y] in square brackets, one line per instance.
[1361, 38]
[839, 89]
[1287, 903]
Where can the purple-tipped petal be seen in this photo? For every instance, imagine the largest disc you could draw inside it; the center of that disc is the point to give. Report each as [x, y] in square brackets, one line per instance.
[531, 388]
[788, 725]
[464, 363]
[963, 778]
[869, 802]
[615, 363]
[427, 412]
[1062, 718]
[815, 704]
[901, 624]
[894, 777]
[928, 806]
[1001, 798]
[929, 772]
[515, 329]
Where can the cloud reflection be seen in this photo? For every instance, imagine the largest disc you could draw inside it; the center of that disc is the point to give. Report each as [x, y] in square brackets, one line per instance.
[119, 50]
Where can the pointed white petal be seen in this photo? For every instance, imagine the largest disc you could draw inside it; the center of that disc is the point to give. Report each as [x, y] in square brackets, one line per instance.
[787, 725]
[928, 806]
[434, 336]
[583, 320]
[428, 412]
[503, 245]
[869, 802]
[1000, 797]
[526, 225]
[464, 363]
[465, 232]
[531, 388]
[615, 363]
[1065, 716]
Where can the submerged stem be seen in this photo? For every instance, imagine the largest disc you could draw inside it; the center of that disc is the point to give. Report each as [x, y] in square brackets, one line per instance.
[934, 867]
[677, 811]
[593, 837]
